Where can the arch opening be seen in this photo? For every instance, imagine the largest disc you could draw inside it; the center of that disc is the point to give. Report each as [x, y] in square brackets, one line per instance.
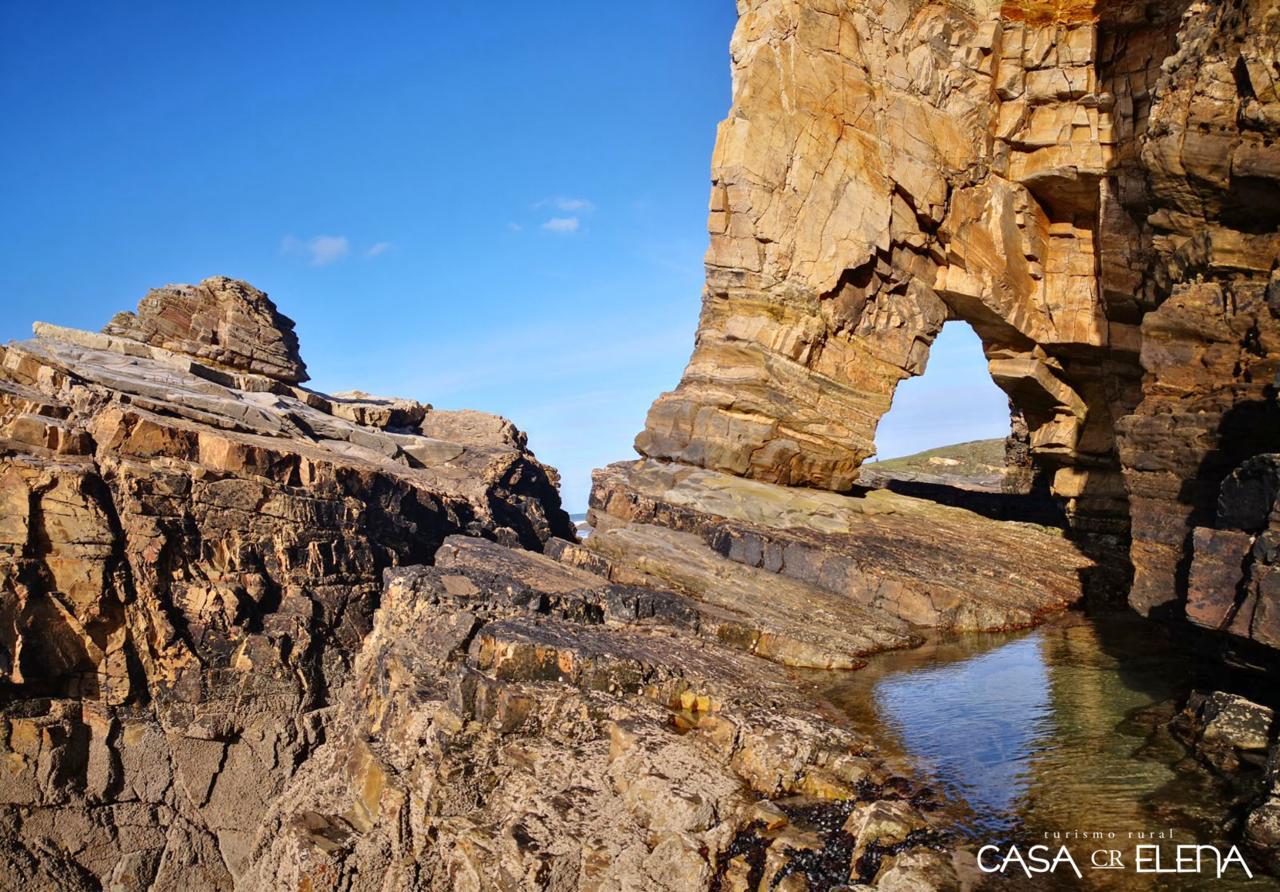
[953, 435]
[952, 403]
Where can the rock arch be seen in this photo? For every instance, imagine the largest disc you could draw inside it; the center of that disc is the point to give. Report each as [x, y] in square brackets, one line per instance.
[1043, 170]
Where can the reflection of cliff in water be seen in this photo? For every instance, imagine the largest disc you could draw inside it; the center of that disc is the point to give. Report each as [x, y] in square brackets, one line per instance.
[1058, 730]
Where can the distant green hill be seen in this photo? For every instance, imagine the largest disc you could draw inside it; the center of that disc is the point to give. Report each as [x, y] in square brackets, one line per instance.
[973, 457]
[978, 463]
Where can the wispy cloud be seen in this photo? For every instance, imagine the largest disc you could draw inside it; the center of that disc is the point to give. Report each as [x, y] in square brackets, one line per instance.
[566, 217]
[566, 204]
[378, 248]
[321, 250]
[562, 224]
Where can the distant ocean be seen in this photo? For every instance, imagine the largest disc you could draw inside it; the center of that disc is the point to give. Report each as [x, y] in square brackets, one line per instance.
[580, 523]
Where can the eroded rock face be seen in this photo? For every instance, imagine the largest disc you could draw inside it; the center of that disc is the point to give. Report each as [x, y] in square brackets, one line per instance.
[1234, 581]
[191, 554]
[1211, 347]
[245, 647]
[223, 321]
[820, 579]
[512, 720]
[226, 663]
[1091, 186]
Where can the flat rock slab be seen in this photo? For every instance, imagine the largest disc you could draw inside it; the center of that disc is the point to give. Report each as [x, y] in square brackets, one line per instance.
[775, 617]
[874, 565]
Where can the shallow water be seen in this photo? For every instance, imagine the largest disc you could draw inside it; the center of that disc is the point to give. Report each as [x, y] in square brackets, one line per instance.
[1056, 730]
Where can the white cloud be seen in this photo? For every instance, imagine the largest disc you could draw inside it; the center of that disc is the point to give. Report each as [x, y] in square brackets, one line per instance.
[515, 227]
[326, 249]
[323, 249]
[378, 248]
[566, 204]
[562, 224]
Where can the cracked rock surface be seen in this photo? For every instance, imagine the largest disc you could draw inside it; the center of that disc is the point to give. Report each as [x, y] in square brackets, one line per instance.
[513, 722]
[1093, 187]
[191, 552]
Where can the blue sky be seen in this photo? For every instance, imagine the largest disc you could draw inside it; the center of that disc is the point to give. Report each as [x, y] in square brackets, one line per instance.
[499, 207]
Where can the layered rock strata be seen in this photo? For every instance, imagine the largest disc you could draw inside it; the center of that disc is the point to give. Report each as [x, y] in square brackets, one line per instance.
[222, 322]
[1092, 187]
[824, 578]
[191, 552]
[245, 646]
[254, 636]
[512, 722]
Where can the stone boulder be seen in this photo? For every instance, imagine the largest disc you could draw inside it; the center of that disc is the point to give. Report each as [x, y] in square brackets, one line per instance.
[223, 321]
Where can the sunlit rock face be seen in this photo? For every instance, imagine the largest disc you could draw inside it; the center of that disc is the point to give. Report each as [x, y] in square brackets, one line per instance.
[1091, 186]
[191, 553]
[221, 320]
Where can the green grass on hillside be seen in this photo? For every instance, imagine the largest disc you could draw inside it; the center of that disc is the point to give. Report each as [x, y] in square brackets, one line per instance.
[974, 457]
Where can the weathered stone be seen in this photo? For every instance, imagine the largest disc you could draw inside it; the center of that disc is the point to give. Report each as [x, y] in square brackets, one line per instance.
[1247, 499]
[221, 671]
[1091, 189]
[1228, 732]
[190, 559]
[1231, 720]
[919, 871]
[1234, 583]
[618, 774]
[225, 321]
[885, 823]
[768, 815]
[1217, 574]
[817, 579]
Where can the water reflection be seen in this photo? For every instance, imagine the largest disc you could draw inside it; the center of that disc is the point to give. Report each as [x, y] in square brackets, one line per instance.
[1005, 715]
[1058, 730]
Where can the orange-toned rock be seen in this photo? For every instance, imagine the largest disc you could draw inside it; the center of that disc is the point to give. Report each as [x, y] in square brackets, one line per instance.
[1091, 186]
[223, 321]
[191, 553]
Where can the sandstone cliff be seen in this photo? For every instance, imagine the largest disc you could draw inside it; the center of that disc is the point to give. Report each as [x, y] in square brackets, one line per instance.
[1092, 186]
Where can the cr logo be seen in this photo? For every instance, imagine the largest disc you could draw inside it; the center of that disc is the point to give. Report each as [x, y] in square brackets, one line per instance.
[1106, 859]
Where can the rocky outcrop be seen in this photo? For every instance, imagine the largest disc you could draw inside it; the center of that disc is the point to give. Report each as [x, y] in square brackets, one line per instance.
[1211, 346]
[222, 321]
[255, 636]
[1090, 186]
[191, 553]
[512, 721]
[1236, 738]
[820, 578]
[259, 637]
